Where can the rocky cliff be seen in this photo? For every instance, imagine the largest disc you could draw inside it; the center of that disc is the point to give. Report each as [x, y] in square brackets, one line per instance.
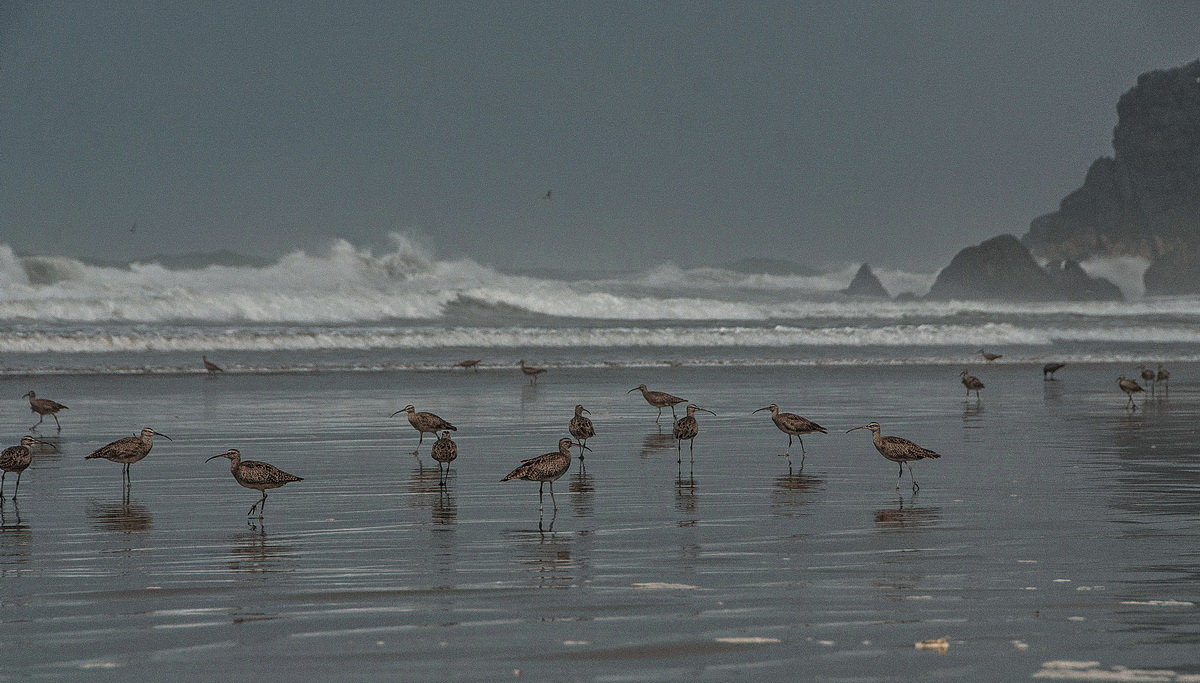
[1002, 268]
[1145, 199]
[865, 283]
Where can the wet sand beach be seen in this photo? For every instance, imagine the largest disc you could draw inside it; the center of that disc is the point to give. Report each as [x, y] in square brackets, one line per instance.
[1057, 527]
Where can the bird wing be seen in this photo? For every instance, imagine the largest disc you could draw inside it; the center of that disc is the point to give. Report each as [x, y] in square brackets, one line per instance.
[801, 423]
[9, 455]
[118, 447]
[260, 472]
[910, 449]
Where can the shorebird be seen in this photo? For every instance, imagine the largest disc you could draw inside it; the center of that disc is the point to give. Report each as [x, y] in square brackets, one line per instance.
[1050, 369]
[257, 475]
[1148, 377]
[659, 399]
[581, 428]
[530, 371]
[424, 423]
[212, 367]
[44, 407]
[546, 468]
[972, 383]
[792, 425]
[687, 428]
[1130, 387]
[989, 357]
[444, 451]
[16, 459]
[128, 450]
[473, 364]
[897, 450]
[1164, 377]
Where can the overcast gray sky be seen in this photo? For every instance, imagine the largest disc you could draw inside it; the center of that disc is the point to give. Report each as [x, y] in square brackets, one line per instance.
[694, 132]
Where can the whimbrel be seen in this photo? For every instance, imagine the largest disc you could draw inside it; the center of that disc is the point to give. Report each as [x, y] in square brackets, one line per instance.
[686, 428]
[1148, 377]
[256, 475]
[972, 383]
[1130, 387]
[792, 425]
[44, 407]
[128, 450]
[530, 371]
[1050, 369]
[1164, 377]
[211, 367]
[897, 450]
[17, 459]
[424, 423]
[581, 428]
[658, 399]
[546, 468]
[473, 364]
[989, 357]
[444, 451]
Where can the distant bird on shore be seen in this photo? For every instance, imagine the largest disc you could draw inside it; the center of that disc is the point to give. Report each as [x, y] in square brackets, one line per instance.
[1130, 387]
[548, 194]
[686, 428]
[989, 357]
[257, 475]
[1164, 377]
[472, 364]
[44, 407]
[17, 459]
[128, 450]
[424, 423]
[212, 367]
[792, 425]
[581, 428]
[530, 371]
[1049, 369]
[898, 450]
[1148, 376]
[546, 468]
[659, 399]
[972, 383]
[444, 451]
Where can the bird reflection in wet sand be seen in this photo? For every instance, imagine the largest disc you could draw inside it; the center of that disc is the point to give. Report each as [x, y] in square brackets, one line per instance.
[794, 490]
[548, 556]
[445, 509]
[972, 413]
[904, 518]
[685, 492]
[657, 441]
[126, 517]
[423, 484]
[256, 552]
[15, 536]
[582, 485]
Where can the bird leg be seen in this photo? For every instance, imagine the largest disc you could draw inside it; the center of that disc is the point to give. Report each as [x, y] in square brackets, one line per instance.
[18, 488]
[541, 485]
[678, 450]
[659, 417]
[552, 500]
[420, 439]
[790, 443]
[2, 476]
[801, 440]
[56, 422]
[672, 411]
[901, 475]
[916, 486]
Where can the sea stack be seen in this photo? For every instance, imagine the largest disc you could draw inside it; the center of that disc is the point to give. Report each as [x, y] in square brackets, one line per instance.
[866, 284]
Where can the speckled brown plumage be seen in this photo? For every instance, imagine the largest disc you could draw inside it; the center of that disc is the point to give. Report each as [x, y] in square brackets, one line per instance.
[581, 427]
[659, 399]
[257, 475]
[687, 427]
[16, 459]
[793, 425]
[424, 423]
[530, 371]
[897, 450]
[545, 468]
[972, 383]
[1130, 387]
[44, 407]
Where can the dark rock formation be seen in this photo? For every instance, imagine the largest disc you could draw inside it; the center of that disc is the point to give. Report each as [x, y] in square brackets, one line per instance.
[1145, 200]
[1002, 268]
[866, 284]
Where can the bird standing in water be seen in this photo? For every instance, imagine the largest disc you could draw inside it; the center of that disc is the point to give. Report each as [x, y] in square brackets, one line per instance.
[972, 383]
[546, 468]
[898, 450]
[581, 428]
[686, 429]
[256, 475]
[17, 459]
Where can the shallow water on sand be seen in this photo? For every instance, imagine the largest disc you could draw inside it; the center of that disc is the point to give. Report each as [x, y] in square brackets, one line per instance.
[1057, 526]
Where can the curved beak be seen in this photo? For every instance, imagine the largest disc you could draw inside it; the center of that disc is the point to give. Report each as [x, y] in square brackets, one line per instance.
[581, 446]
[219, 455]
[632, 390]
[587, 411]
[856, 428]
[46, 443]
[396, 413]
[706, 410]
[163, 436]
[761, 409]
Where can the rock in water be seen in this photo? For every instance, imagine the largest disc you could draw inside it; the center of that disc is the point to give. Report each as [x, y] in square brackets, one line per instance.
[866, 284]
[1145, 199]
[1002, 268]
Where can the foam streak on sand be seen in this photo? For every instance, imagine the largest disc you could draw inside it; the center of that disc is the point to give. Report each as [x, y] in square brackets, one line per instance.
[1063, 670]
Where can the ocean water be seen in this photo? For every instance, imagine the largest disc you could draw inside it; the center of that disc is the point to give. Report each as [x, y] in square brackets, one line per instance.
[1053, 540]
